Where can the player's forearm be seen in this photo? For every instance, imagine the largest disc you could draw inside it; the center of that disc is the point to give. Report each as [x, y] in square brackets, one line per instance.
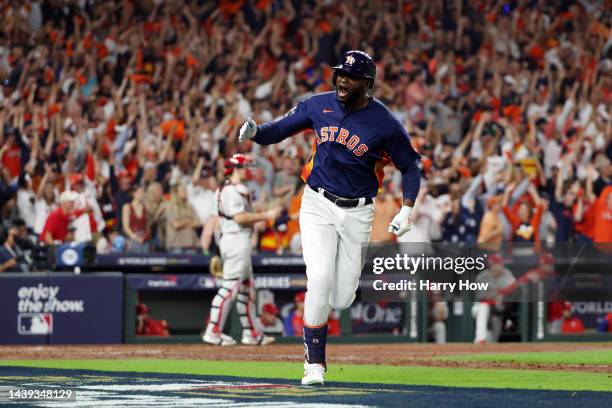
[251, 218]
[270, 133]
[273, 132]
[411, 184]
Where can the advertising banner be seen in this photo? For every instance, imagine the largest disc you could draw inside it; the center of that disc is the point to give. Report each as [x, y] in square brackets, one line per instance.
[60, 308]
[139, 281]
[175, 261]
[23, 320]
[378, 317]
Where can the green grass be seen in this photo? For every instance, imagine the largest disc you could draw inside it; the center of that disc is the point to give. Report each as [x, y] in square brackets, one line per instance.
[586, 357]
[354, 373]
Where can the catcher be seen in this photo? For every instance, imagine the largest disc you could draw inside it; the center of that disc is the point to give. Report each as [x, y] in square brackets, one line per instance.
[236, 220]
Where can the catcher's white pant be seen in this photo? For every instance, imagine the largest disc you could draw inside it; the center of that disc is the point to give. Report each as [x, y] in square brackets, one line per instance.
[235, 251]
[237, 284]
[331, 241]
[481, 311]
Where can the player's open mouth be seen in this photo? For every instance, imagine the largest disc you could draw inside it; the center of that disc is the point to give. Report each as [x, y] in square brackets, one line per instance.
[342, 92]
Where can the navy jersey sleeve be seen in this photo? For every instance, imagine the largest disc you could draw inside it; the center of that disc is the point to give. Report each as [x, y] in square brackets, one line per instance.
[407, 160]
[294, 121]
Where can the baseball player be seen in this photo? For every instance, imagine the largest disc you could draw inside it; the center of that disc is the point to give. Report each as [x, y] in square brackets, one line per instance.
[489, 305]
[234, 206]
[356, 136]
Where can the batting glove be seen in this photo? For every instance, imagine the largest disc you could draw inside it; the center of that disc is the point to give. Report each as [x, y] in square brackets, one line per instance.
[402, 222]
[248, 130]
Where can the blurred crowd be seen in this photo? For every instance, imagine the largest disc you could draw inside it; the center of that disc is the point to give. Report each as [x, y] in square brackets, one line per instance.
[116, 116]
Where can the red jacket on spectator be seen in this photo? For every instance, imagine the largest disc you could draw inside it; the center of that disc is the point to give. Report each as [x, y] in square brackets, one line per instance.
[11, 159]
[57, 224]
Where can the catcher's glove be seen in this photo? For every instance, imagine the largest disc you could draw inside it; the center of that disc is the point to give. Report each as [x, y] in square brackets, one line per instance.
[216, 266]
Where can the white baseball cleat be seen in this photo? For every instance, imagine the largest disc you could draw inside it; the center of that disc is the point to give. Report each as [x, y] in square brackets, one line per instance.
[261, 340]
[218, 339]
[314, 374]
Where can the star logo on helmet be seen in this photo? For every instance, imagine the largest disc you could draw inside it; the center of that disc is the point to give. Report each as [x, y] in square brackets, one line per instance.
[349, 60]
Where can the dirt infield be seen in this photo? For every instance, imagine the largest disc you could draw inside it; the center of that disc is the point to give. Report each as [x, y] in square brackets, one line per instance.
[391, 354]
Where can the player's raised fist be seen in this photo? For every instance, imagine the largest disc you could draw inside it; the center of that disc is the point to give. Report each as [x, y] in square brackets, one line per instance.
[248, 130]
[402, 222]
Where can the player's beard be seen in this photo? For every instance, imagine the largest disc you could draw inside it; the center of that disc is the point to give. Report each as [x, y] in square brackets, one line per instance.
[350, 96]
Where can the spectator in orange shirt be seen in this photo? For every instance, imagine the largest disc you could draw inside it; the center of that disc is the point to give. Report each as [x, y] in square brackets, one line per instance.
[10, 152]
[602, 212]
[526, 224]
[584, 218]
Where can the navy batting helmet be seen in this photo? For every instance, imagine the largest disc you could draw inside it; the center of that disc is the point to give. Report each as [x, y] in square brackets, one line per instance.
[356, 63]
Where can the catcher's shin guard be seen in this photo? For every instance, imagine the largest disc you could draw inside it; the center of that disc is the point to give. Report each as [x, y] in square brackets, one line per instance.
[245, 306]
[222, 304]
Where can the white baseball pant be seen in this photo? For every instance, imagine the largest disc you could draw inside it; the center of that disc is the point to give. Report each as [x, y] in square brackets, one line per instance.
[332, 239]
[481, 311]
[237, 284]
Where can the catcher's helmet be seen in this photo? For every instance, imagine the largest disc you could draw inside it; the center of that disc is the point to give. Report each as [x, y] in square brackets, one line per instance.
[356, 63]
[237, 161]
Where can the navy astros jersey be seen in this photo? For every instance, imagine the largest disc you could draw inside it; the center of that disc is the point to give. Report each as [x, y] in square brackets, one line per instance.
[351, 148]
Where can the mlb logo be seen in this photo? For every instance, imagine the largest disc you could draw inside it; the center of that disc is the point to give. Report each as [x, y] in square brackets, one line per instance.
[206, 282]
[34, 323]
